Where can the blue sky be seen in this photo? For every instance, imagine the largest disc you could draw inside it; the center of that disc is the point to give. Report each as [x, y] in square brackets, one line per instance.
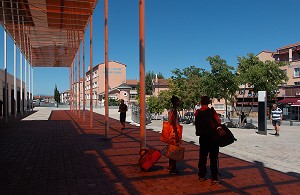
[179, 33]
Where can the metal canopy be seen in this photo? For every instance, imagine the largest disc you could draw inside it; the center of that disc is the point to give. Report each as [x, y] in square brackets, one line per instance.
[48, 32]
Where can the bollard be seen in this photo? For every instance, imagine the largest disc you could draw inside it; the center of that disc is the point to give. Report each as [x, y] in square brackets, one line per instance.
[291, 123]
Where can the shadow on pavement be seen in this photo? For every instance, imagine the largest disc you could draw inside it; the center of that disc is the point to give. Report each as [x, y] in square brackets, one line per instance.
[65, 155]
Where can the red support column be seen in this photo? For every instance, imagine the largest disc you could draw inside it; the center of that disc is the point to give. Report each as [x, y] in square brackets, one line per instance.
[106, 68]
[142, 75]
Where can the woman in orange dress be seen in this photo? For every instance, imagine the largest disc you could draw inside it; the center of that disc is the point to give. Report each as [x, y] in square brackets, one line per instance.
[175, 138]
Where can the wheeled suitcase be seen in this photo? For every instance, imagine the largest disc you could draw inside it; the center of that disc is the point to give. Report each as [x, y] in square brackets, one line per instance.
[148, 158]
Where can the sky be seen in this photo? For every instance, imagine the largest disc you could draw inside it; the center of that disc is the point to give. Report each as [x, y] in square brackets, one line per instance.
[178, 34]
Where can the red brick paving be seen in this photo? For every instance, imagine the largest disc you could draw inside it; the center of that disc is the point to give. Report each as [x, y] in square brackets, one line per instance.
[65, 156]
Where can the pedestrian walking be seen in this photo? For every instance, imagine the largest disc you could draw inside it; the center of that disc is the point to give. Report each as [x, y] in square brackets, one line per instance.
[205, 129]
[243, 119]
[122, 109]
[175, 138]
[276, 118]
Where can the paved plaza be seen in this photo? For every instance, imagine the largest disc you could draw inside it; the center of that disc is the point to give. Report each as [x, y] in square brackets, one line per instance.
[52, 151]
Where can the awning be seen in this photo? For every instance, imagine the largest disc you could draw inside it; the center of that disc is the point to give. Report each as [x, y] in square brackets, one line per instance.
[48, 32]
[296, 103]
[288, 100]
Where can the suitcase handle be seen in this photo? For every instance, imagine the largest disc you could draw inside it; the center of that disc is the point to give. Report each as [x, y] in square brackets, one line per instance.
[143, 150]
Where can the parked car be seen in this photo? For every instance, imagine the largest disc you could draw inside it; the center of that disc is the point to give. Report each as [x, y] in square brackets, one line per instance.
[187, 118]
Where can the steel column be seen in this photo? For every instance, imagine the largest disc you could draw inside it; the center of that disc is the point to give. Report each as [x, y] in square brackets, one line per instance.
[29, 87]
[5, 78]
[70, 82]
[106, 68]
[32, 88]
[75, 85]
[83, 79]
[15, 80]
[91, 71]
[142, 74]
[25, 87]
[72, 88]
[78, 66]
[21, 83]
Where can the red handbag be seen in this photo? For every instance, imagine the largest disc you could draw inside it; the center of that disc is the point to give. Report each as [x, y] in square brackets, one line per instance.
[175, 152]
[167, 133]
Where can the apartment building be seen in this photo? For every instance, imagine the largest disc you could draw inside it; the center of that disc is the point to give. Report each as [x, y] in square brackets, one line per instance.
[119, 87]
[159, 85]
[65, 97]
[290, 101]
[288, 96]
[116, 75]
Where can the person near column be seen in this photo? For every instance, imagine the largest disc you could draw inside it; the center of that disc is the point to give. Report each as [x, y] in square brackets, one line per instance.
[207, 145]
[175, 137]
[276, 118]
[122, 109]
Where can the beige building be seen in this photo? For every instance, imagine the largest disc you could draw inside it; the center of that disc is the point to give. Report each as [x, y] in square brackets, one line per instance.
[289, 93]
[159, 85]
[290, 54]
[119, 87]
[116, 74]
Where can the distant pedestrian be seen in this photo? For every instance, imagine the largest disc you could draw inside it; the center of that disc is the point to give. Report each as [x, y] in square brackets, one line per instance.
[276, 118]
[243, 118]
[175, 137]
[122, 109]
[205, 127]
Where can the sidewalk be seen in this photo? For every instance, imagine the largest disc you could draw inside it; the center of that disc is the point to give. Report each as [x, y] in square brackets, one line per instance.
[63, 155]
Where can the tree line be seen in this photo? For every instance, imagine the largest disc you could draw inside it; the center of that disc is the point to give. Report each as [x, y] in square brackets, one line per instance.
[221, 82]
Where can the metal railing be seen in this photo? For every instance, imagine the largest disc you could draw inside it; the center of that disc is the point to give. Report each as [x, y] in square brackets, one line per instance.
[135, 114]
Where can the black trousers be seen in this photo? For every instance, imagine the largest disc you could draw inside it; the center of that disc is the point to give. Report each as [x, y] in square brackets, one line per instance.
[208, 147]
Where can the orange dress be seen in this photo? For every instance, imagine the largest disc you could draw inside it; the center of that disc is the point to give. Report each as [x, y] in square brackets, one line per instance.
[176, 134]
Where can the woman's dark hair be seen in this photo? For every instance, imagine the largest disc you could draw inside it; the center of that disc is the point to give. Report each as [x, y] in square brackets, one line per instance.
[205, 100]
[174, 99]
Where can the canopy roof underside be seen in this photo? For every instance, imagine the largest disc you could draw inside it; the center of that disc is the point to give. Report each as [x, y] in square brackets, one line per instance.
[48, 32]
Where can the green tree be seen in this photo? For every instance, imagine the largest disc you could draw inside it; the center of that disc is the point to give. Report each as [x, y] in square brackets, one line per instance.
[56, 95]
[262, 76]
[113, 102]
[164, 98]
[221, 82]
[154, 105]
[149, 77]
[187, 85]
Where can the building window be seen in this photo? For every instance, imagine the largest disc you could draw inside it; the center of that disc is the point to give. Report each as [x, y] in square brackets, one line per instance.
[297, 83]
[241, 92]
[219, 106]
[133, 96]
[250, 94]
[297, 72]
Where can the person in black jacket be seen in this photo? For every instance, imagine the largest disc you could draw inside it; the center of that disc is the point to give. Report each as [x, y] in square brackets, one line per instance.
[207, 145]
[122, 109]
